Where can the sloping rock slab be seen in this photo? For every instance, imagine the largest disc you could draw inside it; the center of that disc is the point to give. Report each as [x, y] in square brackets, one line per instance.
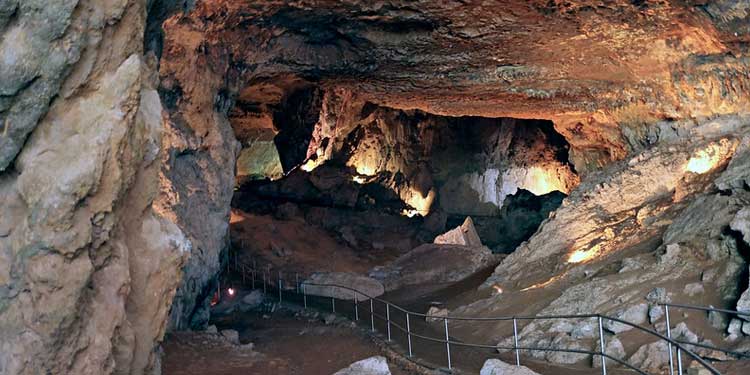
[370, 366]
[498, 367]
[464, 234]
[433, 263]
[364, 284]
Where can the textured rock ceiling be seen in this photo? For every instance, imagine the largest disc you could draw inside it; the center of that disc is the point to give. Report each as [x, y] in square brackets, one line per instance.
[666, 59]
[604, 71]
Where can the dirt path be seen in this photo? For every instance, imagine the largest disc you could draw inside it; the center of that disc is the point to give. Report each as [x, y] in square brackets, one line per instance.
[283, 344]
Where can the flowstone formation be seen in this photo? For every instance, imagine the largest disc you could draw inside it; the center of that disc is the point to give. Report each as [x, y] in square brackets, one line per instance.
[124, 124]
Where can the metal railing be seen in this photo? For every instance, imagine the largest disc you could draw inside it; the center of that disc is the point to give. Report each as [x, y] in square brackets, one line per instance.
[300, 289]
[708, 309]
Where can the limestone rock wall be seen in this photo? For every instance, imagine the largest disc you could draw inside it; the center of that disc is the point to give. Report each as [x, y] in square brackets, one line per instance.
[91, 248]
[662, 219]
[198, 165]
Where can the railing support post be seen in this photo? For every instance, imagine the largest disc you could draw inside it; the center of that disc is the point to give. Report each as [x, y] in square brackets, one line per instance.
[679, 362]
[264, 283]
[515, 342]
[372, 317]
[333, 305]
[408, 332]
[447, 343]
[280, 286]
[669, 344]
[252, 279]
[601, 347]
[304, 296]
[296, 282]
[356, 307]
[388, 319]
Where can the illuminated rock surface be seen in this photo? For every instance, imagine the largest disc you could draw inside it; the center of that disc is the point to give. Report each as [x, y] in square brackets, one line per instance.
[369, 366]
[498, 367]
[464, 235]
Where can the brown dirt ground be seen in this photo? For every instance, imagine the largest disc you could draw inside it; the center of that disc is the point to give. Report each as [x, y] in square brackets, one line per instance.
[307, 248]
[283, 345]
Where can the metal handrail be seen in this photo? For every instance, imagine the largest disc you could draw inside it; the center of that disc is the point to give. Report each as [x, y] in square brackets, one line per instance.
[706, 308]
[541, 317]
[698, 308]
[680, 346]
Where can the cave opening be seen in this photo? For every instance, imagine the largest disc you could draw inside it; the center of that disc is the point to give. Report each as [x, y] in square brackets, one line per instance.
[369, 183]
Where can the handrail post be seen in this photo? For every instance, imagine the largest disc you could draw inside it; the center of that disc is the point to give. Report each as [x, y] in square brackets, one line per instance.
[264, 283]
[679, 362]
[669, 344]
[515, 342]
[304, 296]
[280, 287]
[408, 332]
[296, 282]
[388, 318]
[372, 317]
[356, 307]
[601, 347]
[447, 342]
[333, 305]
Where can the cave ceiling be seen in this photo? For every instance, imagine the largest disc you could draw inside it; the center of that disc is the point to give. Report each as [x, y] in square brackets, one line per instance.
[511, 58]
[592, 67]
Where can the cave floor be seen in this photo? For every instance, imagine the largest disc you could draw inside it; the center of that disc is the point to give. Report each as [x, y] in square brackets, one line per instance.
[283, 344]
[291, 341]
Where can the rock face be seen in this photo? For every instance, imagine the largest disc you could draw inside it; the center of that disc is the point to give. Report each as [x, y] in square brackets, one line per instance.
[369, 286]
[433, 264]
[89, 267]
[626, 230]
[435, 314]
[498, 367]
[93, 242]
[683, 61]
[369, 366]
[465, 235]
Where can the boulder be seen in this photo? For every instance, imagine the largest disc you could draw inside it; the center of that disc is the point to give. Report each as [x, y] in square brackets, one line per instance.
[562, 341]
[584, 330]
[658, 295]
[498, 367]
[635, 314]
[717, 320]
[231, 335]
[432, 264]
[369, 286]
[743, 304]
[464, 234]
[613, 347]
[435, 314]
[735, 327]
[370, 366]
[251, 300]
[651, 356]
[655, 313]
